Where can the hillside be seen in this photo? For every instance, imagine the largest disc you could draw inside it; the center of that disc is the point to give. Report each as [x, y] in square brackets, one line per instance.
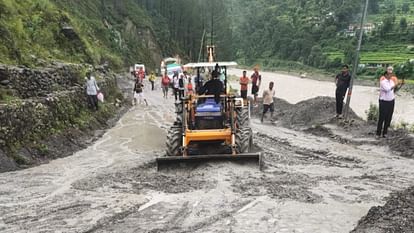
[322, 34]
[108, 31]
[95, 32]
[293, 34]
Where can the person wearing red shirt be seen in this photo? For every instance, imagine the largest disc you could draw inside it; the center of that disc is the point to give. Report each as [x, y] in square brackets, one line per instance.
[141, 74]
[256, 80]
[244, 81]
[165, 83]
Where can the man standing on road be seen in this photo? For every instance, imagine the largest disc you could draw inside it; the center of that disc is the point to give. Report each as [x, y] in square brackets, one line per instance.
[92, 90]
[342, 81]
[139, 93]
[176, 86]
[181, 85]
[268, 104]
[256, 80]
[388, 86]
[165, 84]
[244, 81]
[141, 75]
[152, 80]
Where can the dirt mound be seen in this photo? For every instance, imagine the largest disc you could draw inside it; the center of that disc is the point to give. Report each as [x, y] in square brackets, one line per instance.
[397, 215]
[310, 112]
[402, 143]
[316, 111]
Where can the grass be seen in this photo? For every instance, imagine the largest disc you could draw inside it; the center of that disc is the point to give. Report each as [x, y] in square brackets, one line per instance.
[388, 56]
[6, 96]
[31, 30]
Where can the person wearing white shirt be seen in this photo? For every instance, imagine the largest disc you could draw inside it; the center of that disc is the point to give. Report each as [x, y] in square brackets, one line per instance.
[92, 90]
[268, 104]
[388, 85]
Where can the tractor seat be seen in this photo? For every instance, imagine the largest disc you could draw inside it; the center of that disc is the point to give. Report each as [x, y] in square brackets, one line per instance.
[209, 108]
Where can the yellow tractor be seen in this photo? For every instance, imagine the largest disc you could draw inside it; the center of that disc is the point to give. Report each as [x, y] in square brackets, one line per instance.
[210, 127]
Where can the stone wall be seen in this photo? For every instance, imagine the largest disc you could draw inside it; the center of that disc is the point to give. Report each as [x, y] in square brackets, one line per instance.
[48, 102]
[27, 83]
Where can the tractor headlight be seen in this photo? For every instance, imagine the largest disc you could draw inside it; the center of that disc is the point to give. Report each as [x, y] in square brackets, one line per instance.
[238, 102]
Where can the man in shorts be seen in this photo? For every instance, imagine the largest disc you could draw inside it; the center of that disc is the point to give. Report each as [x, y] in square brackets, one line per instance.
[139, 93]
[256, 80]
[244, 81]
[268, 101]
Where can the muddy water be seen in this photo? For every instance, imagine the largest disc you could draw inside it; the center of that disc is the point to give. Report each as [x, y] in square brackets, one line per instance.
[308, 184]
[294, 89]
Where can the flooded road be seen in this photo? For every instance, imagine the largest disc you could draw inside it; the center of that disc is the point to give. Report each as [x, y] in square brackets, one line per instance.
[307, 184]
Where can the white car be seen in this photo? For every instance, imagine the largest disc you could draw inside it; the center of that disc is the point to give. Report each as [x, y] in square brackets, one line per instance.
[139, 66]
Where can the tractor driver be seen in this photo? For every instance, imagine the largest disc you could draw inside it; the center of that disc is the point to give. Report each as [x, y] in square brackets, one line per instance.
[214, 86]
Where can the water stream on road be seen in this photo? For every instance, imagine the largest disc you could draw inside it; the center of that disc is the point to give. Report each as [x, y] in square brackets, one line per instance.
[308, 184]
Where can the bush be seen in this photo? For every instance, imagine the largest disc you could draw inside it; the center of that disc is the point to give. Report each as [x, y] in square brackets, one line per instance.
[372, 112]
[403, 125]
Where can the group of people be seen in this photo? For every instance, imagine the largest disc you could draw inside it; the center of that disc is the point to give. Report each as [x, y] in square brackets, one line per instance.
[138, 91]
[182, 83]
[268, 94]
[389, 84]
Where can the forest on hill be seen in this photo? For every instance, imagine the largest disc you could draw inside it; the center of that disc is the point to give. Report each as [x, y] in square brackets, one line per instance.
[323, 34]
[288, 33]
[120, 33]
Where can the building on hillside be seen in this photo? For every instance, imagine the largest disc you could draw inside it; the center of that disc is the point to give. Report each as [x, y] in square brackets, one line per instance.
[353, 28]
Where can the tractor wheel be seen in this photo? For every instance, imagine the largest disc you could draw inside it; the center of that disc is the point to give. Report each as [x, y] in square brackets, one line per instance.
[244, 140]
[174, 141]
[178, 120]
[242, 117]
[179, 111]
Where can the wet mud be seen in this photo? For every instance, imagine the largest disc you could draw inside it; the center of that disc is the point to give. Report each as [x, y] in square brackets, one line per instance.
[397, 215]
[145, 178]
[277, 185]
[316, 171]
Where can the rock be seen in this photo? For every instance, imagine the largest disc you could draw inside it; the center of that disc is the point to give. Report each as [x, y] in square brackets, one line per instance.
[6, 163]
[5, 82]
[4, 74]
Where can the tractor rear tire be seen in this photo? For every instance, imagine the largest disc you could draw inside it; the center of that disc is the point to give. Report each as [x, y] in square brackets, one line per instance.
[242, 117]
[174, 141]
[179, 118]
[244, 140]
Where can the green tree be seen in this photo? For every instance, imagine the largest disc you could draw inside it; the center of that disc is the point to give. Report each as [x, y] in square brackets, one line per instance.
[404, 70]
[387, 24]
[405, 7]
[373, 7]
[349, 55]
[390, 6]
[403, 24]
[316, 57]
[411, 36]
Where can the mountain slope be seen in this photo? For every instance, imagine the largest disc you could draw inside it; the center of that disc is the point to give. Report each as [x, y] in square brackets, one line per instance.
[96, 31]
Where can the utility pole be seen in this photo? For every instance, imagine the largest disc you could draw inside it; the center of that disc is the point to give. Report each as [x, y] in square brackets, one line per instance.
[356, 63]
[212, 24]
[201, 46]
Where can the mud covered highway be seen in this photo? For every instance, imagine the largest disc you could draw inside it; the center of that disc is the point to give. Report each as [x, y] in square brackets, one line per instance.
[310, 182]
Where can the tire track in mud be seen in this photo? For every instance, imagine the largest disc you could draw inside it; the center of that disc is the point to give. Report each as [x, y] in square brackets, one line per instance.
[279, 151]
[146, 178]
